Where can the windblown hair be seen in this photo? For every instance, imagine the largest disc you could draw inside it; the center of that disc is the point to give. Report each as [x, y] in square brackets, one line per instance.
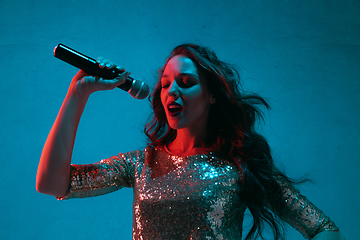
[231, 134]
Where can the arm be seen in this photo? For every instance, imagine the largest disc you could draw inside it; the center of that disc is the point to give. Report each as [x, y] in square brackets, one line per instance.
[106, 176]
[329, 235]
[304, 216]
[54, 167]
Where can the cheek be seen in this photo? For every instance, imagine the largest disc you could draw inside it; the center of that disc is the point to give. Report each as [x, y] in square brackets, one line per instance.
[197, 95]
[162, 97]
[193, 93]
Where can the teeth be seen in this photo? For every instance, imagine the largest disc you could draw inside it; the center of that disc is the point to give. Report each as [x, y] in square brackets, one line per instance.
[173, 106]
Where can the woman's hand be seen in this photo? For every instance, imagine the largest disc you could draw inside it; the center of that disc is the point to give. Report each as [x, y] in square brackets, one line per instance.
[83, 83]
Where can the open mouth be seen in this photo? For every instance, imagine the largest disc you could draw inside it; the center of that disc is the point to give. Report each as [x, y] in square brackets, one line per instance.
[174, 109]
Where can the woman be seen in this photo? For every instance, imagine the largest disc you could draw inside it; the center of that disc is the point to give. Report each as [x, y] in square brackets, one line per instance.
[205, 163]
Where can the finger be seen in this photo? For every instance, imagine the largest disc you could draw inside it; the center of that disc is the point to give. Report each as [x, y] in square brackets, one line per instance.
[122, 78]
[120, 68]
[106, 63]
[110, 65]
[101, 61]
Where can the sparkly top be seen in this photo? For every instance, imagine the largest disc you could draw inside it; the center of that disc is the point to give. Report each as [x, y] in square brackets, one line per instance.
[193, 197]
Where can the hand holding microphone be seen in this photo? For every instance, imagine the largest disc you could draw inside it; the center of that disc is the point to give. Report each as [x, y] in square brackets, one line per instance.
[136, 88]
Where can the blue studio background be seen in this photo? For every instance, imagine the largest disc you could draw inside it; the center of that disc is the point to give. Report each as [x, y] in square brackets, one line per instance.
[302, 56]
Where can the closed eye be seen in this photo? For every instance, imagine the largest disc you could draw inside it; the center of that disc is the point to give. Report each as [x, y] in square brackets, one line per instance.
[185, 82]
[165, 85]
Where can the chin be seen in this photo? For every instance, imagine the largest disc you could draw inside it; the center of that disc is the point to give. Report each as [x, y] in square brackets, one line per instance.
[175, 126]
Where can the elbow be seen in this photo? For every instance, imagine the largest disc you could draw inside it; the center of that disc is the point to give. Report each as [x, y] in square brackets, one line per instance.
[40, 184]
[55, 183]
[43, 186]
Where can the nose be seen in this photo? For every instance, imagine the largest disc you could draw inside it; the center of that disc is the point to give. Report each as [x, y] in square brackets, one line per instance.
[173, 89]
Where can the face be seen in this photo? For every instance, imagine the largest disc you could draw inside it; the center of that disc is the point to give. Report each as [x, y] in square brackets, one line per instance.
[184, 94]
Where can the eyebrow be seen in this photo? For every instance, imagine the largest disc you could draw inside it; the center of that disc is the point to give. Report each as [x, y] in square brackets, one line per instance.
[184, 74]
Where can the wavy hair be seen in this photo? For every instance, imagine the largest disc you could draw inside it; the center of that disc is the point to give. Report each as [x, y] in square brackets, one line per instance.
[231, 134]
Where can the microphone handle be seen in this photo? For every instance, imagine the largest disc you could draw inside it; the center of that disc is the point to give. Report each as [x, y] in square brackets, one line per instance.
[89, 65]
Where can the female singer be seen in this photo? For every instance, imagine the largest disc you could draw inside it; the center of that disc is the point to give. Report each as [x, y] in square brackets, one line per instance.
[204, 164]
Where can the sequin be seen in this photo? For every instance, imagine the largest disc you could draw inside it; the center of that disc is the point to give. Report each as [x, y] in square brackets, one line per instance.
[193, 197]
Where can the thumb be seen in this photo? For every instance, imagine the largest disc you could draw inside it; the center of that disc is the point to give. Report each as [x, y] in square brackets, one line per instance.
[122, 78]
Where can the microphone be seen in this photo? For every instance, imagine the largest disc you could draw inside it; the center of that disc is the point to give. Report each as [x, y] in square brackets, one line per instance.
[137, 89]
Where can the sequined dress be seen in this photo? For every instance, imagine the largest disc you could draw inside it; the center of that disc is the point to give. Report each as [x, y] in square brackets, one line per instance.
[193, 197]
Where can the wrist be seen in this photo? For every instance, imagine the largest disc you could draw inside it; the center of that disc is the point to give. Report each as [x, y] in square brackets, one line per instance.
[78, 94]
[79, 86]
[79, 89]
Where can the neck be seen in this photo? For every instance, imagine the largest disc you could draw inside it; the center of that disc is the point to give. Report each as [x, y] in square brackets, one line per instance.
[186, 143]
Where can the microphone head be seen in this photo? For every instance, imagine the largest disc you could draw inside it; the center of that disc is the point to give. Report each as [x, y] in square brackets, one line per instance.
[139, 89]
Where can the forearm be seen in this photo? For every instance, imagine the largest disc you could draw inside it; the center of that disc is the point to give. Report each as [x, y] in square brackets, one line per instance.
[54, 167]
[329, 235]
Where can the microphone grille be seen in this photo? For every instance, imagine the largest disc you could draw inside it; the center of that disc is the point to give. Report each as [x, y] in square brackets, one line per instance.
[139, 89]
